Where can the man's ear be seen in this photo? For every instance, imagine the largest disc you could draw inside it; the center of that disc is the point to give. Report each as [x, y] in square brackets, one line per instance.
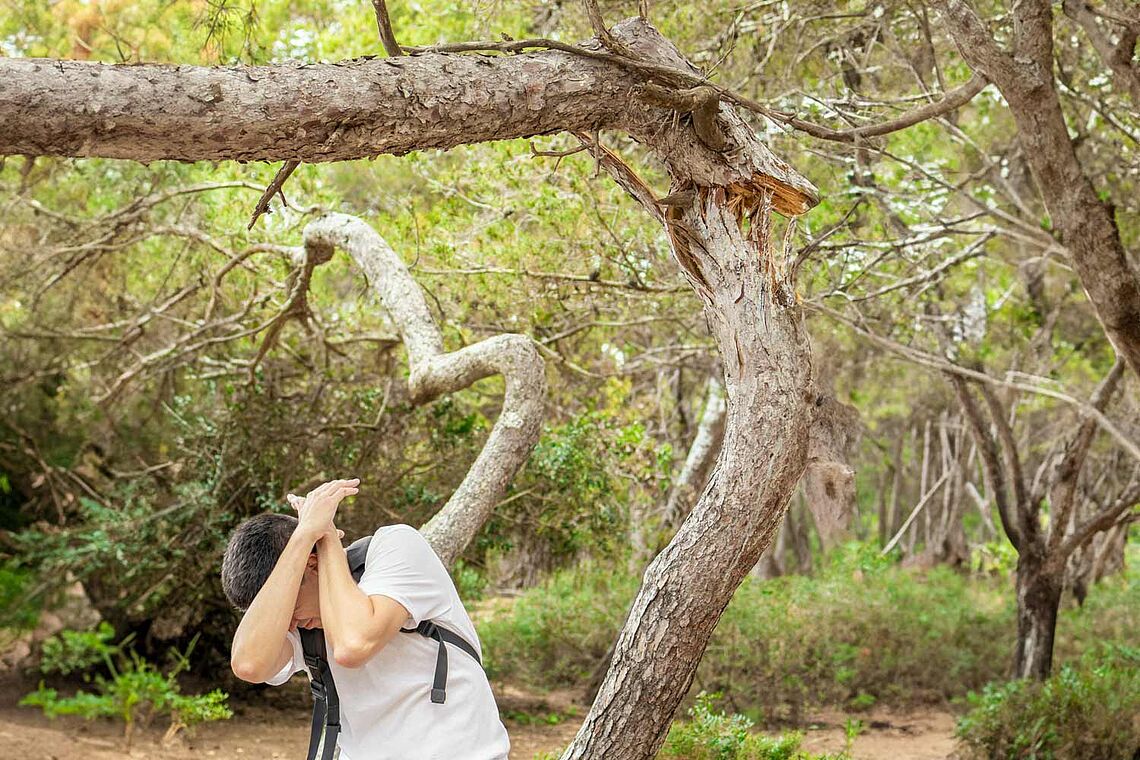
[311, 562]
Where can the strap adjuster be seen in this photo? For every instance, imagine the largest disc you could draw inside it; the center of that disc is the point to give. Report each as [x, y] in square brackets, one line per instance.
[438, 696]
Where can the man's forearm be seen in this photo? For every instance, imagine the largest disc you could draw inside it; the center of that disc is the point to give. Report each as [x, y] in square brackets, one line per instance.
[259, 636]
[345, 609]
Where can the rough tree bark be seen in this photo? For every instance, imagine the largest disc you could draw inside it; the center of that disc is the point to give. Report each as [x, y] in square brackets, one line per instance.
[358, 109]
[716, 217]
[1085, 224]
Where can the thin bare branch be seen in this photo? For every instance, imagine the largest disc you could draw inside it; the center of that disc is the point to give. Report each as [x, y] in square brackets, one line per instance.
[935, 362]
[950, 101]
[1067, 471]
[988, 451]
[384, 25]
[274, 187]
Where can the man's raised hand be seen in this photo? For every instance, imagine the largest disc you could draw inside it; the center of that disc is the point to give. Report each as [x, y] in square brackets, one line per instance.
[317, 510]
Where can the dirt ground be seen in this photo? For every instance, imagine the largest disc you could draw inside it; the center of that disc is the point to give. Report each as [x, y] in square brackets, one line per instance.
[276, 726]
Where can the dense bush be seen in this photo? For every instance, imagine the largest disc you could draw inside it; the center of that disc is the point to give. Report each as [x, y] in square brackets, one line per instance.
[861, 631]
[1086, 712]
[556, 634]
[18, 610]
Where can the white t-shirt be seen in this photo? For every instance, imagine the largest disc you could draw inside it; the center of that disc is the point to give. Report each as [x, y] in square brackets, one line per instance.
[385, 705]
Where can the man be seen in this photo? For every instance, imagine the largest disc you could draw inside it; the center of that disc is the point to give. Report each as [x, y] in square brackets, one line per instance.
[289, 572]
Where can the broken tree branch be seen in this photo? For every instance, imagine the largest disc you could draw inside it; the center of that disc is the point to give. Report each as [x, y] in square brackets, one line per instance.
[274, 187]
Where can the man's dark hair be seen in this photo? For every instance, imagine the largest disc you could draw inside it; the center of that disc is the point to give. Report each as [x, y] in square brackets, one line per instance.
[253, 550]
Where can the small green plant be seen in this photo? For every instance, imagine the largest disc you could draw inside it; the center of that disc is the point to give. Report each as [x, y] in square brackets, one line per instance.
[710, 734]
[134, 691]
[852, 727]
[75, 651]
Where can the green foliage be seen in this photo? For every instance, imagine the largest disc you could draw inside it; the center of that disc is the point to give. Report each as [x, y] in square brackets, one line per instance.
[75, 651]
[713, 735]
[997, 557]
[1084, 712]
[134, 544]
[862, 632]
[469, 581]
[556, 634]
[575, 491]
[551, 718]
[19, 610]
[134, 690]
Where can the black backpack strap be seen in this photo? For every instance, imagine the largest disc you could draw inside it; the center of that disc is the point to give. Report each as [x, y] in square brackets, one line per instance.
[357, 552]
[326, 702]
[433, 630]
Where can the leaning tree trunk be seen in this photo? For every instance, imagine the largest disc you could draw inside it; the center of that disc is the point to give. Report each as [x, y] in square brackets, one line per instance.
[718, 227]
[1039, 589]
[767, 369]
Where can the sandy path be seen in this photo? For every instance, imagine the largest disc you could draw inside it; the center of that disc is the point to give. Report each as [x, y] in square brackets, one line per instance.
[922, 734]
[277, 729]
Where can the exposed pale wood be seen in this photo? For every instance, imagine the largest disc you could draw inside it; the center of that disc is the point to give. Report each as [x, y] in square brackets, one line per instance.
[433, 372]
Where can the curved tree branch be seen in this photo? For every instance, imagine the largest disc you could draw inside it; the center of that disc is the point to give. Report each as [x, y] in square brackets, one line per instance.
[434, 373]
[951, 100]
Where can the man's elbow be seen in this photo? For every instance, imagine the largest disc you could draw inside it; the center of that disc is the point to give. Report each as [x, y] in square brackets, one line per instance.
[247, 671]
[353, 654]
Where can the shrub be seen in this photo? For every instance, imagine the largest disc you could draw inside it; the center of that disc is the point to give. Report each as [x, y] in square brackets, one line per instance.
[557, 634]
[135, 691]
[19, 610]
[862, 631]
[1087, 712]
[75, 651]
[713, 735]
[469, 581]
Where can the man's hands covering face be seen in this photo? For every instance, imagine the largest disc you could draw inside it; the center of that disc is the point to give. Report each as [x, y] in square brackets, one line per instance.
[316, 511]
